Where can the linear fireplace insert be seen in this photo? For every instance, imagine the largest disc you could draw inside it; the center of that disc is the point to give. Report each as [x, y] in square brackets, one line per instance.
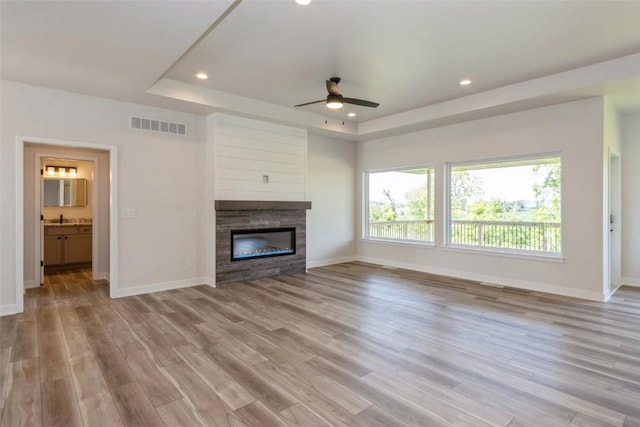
[262, 243]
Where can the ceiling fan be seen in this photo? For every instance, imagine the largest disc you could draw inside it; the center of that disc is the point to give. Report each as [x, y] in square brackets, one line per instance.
[335, 100]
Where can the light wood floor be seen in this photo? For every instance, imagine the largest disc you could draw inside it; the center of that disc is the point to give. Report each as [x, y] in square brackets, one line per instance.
[345, 345]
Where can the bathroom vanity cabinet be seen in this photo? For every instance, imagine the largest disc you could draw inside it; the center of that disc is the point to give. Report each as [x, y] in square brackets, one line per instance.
[67, 245]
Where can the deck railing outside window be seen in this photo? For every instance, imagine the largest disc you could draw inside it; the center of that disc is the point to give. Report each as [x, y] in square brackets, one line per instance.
[402, 230]
[530, 236]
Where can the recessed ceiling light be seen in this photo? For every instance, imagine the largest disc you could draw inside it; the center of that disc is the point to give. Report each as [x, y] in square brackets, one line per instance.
[303, 2]
[465, 82]
[202, 76]
[351, 114]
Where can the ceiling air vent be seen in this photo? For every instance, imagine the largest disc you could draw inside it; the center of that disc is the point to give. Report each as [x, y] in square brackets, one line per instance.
[158, 126]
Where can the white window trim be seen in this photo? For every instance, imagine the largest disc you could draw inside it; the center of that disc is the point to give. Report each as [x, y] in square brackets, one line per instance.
[515, 253]
[365, 208]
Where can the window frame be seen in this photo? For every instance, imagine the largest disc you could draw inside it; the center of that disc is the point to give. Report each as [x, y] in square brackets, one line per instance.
[365, 236]
[510, 252]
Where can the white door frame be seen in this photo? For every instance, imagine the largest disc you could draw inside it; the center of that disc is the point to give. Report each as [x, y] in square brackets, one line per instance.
[615, 235]
[38, 246]
[113, 218]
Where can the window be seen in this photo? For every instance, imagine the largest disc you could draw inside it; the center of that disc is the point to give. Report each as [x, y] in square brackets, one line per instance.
[399, 204]
[511, 204]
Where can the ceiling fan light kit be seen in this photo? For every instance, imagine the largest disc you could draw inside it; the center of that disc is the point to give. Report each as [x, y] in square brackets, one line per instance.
[334, 101]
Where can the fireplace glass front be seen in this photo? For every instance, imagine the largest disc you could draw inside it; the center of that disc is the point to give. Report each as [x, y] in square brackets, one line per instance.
[260, 243]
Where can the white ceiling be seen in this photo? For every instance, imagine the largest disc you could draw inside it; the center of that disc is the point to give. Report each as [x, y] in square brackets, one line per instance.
[264, 56]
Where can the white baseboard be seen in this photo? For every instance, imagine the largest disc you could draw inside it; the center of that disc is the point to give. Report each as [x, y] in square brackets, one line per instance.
[331, 261]
[501, 281]
[28, 284]
[101, 276]
[631, 281]
[7, 309]
[209, 281]
[158, 287]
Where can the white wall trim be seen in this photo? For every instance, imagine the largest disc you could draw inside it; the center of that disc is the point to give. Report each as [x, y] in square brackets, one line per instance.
[210, 281]
[113, 209]
[330, 261]
[512, 283]
[101, 276]
[8, 309]
[29, 284]
[631, 281]
[158, 287]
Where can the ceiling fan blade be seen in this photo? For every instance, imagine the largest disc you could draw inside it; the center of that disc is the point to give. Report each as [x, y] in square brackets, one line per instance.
[332, 87]
[360, 102]
[309, 103]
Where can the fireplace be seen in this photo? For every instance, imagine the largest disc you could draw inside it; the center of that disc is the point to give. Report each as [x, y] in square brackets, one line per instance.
[262, 243]
[273, 233]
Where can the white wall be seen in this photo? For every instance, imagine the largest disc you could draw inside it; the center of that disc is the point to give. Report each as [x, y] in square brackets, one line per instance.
[631, 199]
[574, 129]
[332, 191]
[156, 176]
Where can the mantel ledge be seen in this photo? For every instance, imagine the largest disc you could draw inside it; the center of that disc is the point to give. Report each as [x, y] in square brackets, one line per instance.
[260, 205]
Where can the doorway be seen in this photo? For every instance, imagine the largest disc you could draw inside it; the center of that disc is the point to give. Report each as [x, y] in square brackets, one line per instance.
[29, 235]
[68, 222]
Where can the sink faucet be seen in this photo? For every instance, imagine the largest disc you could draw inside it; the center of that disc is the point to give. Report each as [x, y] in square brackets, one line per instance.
[61, 219]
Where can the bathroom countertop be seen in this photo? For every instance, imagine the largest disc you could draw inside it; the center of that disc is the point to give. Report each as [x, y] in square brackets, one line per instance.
[67, 224]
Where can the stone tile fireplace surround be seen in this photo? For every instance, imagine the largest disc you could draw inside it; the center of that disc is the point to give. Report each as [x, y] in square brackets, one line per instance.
[252, 215]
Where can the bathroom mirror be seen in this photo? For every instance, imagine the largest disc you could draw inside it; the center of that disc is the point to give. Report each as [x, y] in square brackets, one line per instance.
[65, 192]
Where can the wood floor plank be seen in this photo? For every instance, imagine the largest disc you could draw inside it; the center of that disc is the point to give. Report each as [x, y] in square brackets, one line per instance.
[297, 376]
[113, 324]
[275, 398]
[178, 414]
[347, 345]
[23, 406]
[94, 399]
[7, 330]
[76, 344]
[385, 399]
[158, 388]
[53, 363]
[229, 390]
[26, 341]
[300, 415]
[113, 366]
[344, 397]
[210, 408]
[257, 413]
[5, 370]
[134, 407]
[59, 404]
[153, 341]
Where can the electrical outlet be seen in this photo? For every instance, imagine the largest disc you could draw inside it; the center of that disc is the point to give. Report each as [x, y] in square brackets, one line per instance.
[505, 263]
[189, 264]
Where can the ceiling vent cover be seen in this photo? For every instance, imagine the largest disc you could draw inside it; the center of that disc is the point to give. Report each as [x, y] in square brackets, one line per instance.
[158, 126]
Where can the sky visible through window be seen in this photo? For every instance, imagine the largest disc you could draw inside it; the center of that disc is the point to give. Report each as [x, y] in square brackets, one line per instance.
[398, 183]
[509, 184]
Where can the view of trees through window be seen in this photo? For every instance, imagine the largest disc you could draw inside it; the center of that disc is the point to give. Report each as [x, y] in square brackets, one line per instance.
[512, 204]
[401, 204]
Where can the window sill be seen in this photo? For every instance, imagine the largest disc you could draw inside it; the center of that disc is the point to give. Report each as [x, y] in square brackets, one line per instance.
[415, 243]
[505, 253]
